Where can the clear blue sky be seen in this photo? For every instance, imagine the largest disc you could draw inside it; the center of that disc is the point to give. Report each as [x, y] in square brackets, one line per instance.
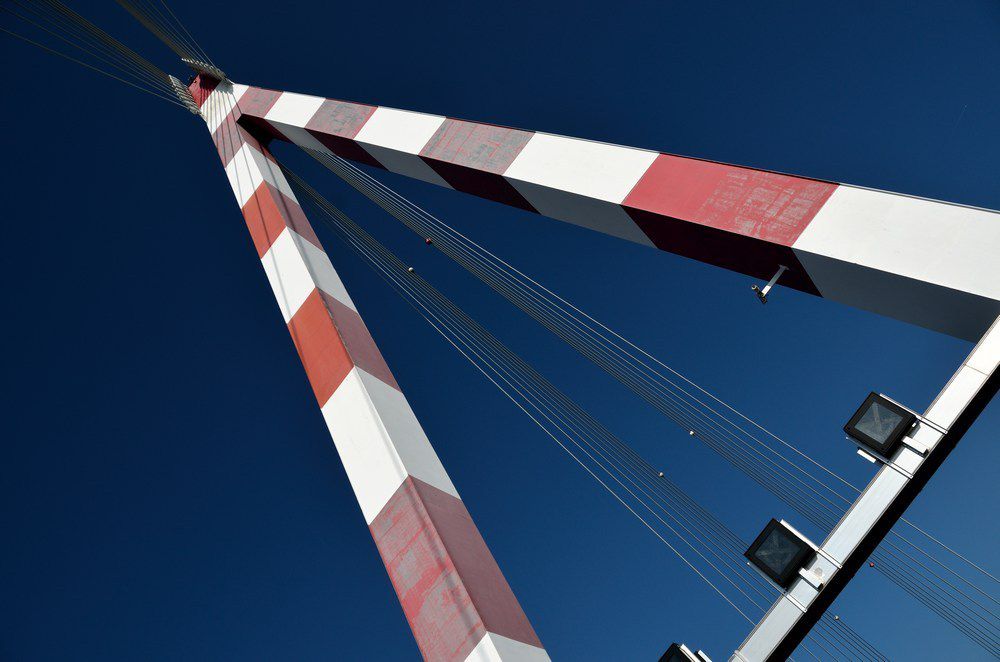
[169, 490]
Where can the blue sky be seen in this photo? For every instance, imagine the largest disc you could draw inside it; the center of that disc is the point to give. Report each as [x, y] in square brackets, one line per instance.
[169, 490]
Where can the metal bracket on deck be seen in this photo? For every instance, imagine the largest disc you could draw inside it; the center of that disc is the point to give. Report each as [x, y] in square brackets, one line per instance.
[762, 292]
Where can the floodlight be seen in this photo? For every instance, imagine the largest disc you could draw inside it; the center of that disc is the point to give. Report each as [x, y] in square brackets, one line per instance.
[880, 424]
[780, 553]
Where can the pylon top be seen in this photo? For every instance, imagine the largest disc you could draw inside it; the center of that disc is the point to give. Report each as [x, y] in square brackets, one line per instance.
[205, 68]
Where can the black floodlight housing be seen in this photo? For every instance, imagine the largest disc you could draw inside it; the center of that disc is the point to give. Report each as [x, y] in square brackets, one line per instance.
[779, 553]
[681, 653]
[880, 424]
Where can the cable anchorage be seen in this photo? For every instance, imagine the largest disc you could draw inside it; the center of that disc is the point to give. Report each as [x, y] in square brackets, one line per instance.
[184, 94]
[205, 68]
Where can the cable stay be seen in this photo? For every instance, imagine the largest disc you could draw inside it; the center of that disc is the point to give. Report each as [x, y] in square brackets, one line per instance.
[701, 541]
[810, 488]
[53, 27]
[166, 27]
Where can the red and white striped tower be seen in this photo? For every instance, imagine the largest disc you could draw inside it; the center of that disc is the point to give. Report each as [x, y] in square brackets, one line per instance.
[926, 262]
[455, 598]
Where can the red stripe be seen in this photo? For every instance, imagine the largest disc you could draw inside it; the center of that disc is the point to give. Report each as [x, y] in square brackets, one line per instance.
[340, 118]
[268, 212]
[448, 582]
[254, 105]
[728, 250]
[737, 218]
[347, 149]
[323, 355]
[484, 147]
[472, 158]
[336, 123]
[753, 203]
[358, 341]
[482, 184]
[257, 101]
[201, 87]
[230, 136]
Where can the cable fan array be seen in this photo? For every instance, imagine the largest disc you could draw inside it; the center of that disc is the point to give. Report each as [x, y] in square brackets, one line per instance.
[697, 537]
[701, 541]
[163, 23]
[80, 41]
[768, 460]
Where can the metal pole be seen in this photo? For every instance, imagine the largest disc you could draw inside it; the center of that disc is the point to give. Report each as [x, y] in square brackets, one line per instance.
[879, 506]
[454, 596]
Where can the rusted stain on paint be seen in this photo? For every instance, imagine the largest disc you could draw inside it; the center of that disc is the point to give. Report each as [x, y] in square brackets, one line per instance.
[473, 157]
[752, 203]
[336, 123]
[257, 101]
[484, 147]
[449, 585]
[251, 109]
[340, 118]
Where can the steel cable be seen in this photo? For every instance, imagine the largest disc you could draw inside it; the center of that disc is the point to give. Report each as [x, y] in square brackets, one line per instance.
[548, 411]
[92, 47]
[444, 240]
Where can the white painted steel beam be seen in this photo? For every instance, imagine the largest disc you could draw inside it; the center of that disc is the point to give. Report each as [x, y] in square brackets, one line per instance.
[879, 506]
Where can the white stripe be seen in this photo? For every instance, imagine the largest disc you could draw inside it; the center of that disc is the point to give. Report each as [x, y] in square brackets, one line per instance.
[924, 262]
[408, 165]
[494, 648]
[290, 114]
[591, 169]
[380, 441]
[934, 242]
[584, 211]
[291, 119]
[294, 109]
[295, 267]
[300, 137]
[399, 130]
[394, 138]
[220, 103]
[248, 168]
